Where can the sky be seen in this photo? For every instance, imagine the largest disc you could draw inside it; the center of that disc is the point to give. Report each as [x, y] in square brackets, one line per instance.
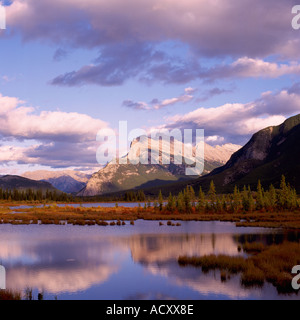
[69, 68]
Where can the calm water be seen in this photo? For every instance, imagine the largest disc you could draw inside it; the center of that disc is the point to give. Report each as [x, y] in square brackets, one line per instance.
[86, 205]
[127, 262]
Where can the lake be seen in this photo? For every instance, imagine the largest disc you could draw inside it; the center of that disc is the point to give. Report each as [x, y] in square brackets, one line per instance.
[128, 262]
[85, 205]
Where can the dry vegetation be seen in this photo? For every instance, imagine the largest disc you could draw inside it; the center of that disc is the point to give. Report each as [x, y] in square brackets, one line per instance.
[54, 214]
[267, 263]
[9, 295]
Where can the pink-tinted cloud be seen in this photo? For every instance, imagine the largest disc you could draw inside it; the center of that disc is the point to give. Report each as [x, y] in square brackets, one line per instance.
[236, 122]
[155, 104]
[128, 34]
[19, 121]
[52, 138]
[234, 27]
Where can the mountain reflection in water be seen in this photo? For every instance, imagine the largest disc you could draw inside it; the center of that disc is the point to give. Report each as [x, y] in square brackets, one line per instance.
[129, 262]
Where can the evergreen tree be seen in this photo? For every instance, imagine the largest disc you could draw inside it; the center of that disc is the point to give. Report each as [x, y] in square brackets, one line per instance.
[272, 197]
[236, 199]
[259, 197]
[170, 204]
[201, 200]
[180, 202]
[224, 203]
[192, 196]
[212, 193]
[160, 200]
[187, 200]
[245, 200]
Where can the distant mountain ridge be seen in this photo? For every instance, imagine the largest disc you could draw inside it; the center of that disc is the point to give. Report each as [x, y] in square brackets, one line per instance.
[119, 177]
[68, 181]
[11, 182]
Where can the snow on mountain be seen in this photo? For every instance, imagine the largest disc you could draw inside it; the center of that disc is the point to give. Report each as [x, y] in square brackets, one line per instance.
[136, 170]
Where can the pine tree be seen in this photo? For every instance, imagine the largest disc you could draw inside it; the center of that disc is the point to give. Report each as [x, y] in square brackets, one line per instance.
[245, 201]
[236, 199]
[224, 203]
[170, 203]
[160, 200]
[259, 197]
[272, 197]
[201, 200]
[149, 203]
[219, 207]
[212, 193]
[283, 194]
[187, 200]
[192, 196]
[180, 202]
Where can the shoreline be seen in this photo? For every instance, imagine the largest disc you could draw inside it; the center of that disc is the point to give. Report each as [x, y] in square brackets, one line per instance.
[54, 214]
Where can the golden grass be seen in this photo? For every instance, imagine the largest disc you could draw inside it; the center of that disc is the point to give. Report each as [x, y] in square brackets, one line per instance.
[9, 295]
[56, 215]
[270, 263]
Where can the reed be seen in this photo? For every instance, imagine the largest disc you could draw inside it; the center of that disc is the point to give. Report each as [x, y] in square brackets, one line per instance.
[268, 263]
[9, 295]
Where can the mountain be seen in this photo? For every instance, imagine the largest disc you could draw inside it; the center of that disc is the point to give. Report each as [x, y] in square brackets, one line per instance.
[68, 181]
[119, 177]
[270, 153]
[10, 182]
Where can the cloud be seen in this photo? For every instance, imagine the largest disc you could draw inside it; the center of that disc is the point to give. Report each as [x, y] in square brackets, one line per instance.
[156, 104]
[246, 31]
[236, 122]
[21, 122]
[60, 54]
[221, 27]
[214, 139]
[52, 138]
[116, 64]
[208, 94]
[149, 66]
[246, 67]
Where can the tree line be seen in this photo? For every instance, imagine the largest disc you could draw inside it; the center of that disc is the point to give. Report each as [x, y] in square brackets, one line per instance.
[34, 195]
[245, 200]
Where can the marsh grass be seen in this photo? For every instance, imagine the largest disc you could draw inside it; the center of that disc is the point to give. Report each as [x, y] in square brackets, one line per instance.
[52, 214]
[9, 295]
[268, 263]
[254, 247]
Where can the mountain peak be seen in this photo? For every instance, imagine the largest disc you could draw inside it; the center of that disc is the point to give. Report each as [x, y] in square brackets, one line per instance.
[268, 155]
[116, 177]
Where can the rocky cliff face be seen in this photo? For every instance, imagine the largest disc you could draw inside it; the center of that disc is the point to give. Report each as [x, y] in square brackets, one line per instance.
[270, 153]
[118, 177]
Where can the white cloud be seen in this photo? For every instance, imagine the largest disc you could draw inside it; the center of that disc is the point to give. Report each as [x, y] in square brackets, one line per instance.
[51, 138]
[19, 121]
[236, 122]
[247, 67]
[155, 104]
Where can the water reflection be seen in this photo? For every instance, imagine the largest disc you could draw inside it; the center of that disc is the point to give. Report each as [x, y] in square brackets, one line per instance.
[126, 263]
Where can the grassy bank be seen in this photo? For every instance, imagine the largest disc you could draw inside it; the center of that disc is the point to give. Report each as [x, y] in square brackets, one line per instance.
[98, 215]
[9, 295]
[271, 264]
